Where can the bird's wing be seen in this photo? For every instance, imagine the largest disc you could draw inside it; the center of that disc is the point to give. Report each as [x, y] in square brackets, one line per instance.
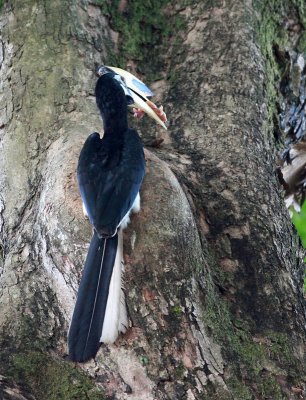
[109, 182]
[90, 162]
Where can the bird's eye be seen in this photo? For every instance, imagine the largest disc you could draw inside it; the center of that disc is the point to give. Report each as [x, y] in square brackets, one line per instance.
[129, 100]
[101, 70]
[124, 87]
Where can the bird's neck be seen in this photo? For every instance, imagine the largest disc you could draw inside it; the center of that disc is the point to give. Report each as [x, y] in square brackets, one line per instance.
[115, 125]
[114, 120]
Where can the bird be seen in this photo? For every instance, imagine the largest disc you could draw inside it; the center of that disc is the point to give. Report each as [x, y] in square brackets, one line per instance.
[110, 172]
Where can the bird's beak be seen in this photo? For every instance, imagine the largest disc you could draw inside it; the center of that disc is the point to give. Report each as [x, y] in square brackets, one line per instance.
[140, 93]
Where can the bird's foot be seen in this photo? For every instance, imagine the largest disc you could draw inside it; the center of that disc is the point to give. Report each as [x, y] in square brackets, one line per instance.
[138, 113]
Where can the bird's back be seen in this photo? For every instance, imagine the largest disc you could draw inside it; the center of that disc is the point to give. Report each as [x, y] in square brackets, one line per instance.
[110, 172]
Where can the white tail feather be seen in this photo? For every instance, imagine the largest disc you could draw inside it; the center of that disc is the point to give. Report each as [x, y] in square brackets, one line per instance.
[115, 319]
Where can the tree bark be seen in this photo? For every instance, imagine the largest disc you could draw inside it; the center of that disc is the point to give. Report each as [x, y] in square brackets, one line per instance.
[213, 266]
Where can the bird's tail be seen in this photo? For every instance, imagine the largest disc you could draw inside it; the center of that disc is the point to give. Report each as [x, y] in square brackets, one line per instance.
[100, 311]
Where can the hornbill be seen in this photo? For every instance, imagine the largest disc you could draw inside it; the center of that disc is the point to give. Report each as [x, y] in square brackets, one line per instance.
[110, 172]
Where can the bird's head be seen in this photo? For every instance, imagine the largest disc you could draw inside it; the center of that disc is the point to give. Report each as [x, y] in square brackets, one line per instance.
[111, 99]
[136, 92]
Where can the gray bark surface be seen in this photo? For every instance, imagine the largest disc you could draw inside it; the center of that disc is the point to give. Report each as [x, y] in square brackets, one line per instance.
[213, 268]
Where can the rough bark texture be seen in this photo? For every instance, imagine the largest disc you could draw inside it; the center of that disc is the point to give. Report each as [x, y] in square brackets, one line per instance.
[213, 267]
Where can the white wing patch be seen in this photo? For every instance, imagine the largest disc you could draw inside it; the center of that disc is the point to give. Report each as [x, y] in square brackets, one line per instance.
[135, 209]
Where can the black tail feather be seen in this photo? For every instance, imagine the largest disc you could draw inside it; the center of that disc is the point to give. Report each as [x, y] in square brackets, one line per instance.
[88, 316]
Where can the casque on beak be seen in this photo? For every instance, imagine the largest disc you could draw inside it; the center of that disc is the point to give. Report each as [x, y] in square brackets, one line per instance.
[139, 92]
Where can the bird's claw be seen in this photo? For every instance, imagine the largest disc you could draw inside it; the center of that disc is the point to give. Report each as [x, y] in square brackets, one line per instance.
[158, 110]
[138, 113]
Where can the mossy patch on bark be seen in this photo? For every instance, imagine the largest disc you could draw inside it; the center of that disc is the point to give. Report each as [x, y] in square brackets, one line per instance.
[274, 37]
[52, 379]
[24, 360]
[260, 359]
[143, 27]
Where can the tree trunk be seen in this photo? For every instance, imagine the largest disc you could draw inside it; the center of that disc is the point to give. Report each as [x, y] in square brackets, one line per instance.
[213, 267]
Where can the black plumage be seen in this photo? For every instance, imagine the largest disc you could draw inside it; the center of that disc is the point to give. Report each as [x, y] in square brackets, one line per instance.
[110, 172]
[87, 321]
